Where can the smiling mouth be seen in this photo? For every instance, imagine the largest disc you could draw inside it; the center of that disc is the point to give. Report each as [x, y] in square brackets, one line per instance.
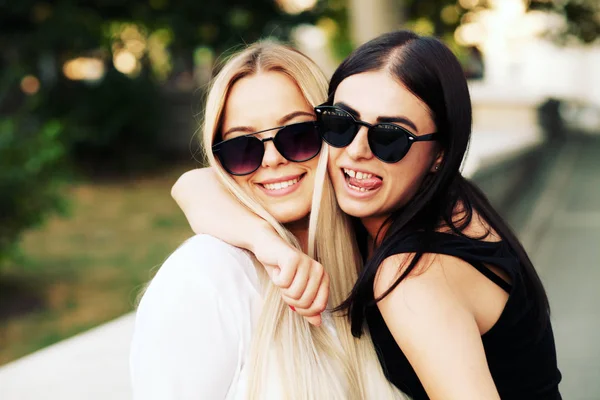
[280, 186]
[362, 181]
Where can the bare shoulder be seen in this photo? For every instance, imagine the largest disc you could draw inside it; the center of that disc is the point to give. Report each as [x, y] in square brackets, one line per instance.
[437, 287]
[432, 282]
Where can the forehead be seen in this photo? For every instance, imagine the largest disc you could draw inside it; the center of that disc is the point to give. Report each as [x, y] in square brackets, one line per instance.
[376, 93]
[261, 99]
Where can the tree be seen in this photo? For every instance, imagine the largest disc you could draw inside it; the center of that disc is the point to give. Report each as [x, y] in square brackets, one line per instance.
[115, 112]
[30, 159]
[582, 18]
[49, 117]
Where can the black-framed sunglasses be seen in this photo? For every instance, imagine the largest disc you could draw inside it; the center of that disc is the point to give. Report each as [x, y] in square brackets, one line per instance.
[243, 155]
[388, 142]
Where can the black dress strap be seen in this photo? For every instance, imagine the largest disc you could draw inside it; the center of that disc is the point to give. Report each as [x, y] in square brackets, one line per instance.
[507, 287]
[475, 252]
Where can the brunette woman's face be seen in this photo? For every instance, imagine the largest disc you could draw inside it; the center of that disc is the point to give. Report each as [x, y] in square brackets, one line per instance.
[366, 187]
[263, 101]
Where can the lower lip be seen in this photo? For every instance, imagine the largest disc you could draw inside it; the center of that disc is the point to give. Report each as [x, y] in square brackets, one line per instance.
[284, 191]
[357, 193]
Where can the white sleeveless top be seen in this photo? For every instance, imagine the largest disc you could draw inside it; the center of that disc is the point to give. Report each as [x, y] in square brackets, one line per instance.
[194, 325]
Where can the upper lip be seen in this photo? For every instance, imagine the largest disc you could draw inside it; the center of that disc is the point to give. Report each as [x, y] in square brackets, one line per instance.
[281, 179]
[361, 170]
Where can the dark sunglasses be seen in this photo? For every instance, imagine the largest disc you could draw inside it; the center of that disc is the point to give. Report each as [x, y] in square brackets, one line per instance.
[243, 155]
[388, 142]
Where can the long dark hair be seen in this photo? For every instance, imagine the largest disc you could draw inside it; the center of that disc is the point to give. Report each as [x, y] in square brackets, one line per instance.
[427, 68]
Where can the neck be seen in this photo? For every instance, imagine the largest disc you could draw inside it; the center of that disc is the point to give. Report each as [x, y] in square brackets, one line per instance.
[300, 230]
[374, 225]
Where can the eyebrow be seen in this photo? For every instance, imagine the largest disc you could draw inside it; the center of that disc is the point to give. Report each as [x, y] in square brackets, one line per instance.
[282, 121]
[293, 115]
[398, 118]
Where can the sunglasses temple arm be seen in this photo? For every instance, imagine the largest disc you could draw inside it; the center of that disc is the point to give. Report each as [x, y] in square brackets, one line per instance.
[424, 138]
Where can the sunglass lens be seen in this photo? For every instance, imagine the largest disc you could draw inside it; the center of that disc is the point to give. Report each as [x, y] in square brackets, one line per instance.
[337, 128]
[242, 155]
[389, 144]
[299, 142]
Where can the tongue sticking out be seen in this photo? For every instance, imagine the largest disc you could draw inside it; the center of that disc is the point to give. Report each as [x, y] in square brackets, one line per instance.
[370, 183]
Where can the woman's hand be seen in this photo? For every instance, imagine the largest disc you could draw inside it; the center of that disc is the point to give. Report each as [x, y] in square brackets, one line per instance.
[304, 283]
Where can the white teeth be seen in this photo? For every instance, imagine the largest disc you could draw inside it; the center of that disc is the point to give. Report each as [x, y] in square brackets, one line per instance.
[360, 189]
[357, 174]
[280, 185]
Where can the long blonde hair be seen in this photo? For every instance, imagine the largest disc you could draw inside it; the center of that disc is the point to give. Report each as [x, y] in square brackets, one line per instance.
[311, 363]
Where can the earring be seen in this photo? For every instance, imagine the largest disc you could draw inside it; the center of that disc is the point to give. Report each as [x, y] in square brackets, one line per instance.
[437, 167]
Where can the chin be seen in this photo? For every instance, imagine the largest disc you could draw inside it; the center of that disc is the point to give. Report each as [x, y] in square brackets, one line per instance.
[351, 208]
[289, 214]
[357, 209]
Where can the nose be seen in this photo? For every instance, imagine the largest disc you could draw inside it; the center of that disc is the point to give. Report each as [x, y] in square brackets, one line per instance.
[359, 148]
[272, 157]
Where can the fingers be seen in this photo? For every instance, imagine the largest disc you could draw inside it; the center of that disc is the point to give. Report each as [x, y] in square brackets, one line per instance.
[304, 275]
[304, 284]
[316, 320]
[318, 305]
[305, 297]
[285, 275]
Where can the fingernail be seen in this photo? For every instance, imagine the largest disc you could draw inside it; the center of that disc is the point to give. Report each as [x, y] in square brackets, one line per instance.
[293, 308]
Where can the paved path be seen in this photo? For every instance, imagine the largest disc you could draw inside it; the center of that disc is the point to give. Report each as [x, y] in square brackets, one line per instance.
[90, 366]
[563, 240]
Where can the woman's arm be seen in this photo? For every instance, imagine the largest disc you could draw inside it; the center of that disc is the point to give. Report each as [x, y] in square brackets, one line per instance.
[435, 328]
[210, 208]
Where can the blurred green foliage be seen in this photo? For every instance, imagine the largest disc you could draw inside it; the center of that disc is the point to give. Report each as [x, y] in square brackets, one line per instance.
[30, 159]
[48, 121]
[582, 19]
[112, 126]
[116, 119]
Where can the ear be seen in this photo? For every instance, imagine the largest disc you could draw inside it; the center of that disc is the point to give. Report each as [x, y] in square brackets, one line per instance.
[437, 162]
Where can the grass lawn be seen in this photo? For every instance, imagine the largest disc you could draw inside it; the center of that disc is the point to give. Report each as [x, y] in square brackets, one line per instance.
[87, 268]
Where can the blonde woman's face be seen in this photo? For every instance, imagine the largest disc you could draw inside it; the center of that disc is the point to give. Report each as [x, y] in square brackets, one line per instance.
[263, 101]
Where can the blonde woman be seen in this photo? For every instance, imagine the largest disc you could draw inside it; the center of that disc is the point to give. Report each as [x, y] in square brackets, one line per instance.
[212, 324]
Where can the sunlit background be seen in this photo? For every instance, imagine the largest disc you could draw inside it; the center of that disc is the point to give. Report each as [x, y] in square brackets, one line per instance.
[100, 101]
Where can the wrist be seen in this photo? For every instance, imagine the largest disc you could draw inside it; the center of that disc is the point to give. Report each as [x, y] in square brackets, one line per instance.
[259, 239]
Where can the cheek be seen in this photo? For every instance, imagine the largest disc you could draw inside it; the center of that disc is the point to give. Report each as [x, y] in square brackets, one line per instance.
[334, 154]
[419, 159]
[311, 165]
[309, 168]
[407, 174]
[243, 182]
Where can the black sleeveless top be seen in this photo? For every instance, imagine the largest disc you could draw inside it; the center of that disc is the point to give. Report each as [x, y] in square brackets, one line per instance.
[522, 361]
